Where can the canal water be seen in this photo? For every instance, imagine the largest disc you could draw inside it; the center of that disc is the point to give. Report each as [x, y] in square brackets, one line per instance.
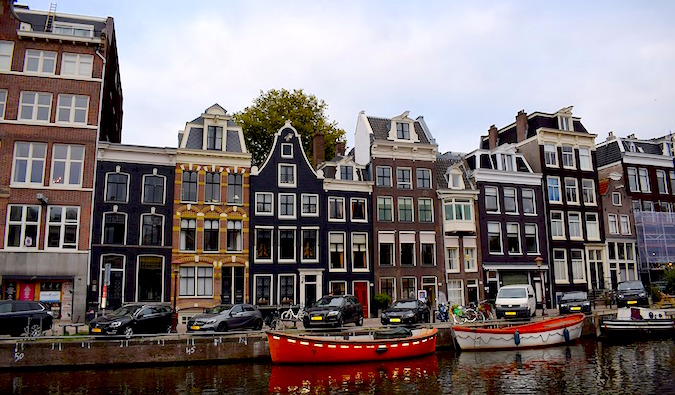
[588, 367]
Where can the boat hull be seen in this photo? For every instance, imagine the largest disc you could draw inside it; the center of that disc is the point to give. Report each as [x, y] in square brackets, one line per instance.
[296, 349]
[546, 333]
[618, 327]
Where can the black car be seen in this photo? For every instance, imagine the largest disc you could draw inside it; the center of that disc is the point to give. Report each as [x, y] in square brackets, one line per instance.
[631, 293]
[24, 318]
[574, 302]
[223, 317]
[133, 318]
[335, 311]
[406, 311]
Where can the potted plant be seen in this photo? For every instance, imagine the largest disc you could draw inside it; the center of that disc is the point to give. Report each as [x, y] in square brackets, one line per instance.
[382, 301]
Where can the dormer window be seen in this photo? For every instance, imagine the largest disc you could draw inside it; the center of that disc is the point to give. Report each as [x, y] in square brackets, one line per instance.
[507, 162]
[631, 146]
[455, 181]
[286, 150]
[402, 131]
[214, 138]
[71, 29]
[346, 173]
[668, 149]
[565, 122]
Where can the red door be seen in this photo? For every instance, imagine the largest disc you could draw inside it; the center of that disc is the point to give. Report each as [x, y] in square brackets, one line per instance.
[361, 293]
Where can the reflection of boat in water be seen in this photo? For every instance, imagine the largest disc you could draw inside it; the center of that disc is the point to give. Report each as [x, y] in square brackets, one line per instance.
[523, 357]
[377, 346]
[349, 378]
[548, 332]
[638, 322]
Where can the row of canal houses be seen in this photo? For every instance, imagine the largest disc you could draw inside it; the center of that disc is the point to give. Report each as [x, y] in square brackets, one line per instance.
[90, 223]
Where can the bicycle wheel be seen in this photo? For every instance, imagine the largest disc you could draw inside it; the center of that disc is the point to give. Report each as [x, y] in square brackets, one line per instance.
[470, 315]
[287, 315]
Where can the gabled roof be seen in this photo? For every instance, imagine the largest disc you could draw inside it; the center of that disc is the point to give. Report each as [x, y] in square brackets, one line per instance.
[381, 127]
[608, 153]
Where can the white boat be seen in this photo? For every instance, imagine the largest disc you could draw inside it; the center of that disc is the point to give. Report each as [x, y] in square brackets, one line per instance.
[548, 332]
[639, 320]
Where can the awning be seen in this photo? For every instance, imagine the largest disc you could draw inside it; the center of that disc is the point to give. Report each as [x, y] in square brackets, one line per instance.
[512, 266]
[7, 277]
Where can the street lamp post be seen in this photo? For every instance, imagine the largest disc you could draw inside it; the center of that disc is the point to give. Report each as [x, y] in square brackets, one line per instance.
[539, 261]
[174, 312]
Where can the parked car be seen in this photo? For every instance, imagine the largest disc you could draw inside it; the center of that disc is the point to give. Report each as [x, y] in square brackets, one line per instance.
[515, 301]
[335, 311]
[24, 318]
[574, 302]
[406, 311]
[133, 318]
[223, 317]
[631, 293]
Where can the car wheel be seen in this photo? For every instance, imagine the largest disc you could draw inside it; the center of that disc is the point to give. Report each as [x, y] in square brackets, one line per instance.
[128, 332]
[257, 325]
[359, 322]
[340, 322]
[222, 327]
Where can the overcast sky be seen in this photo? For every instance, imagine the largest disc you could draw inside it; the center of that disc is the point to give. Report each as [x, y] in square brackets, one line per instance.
[462, 65]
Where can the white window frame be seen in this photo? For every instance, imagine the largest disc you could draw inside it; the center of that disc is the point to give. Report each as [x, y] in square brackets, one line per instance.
[533, 198]
[83, 65]
[60, 26]
[568, 156]
[279, 277]
[643, 176]
[591, 190]
[30, 162]
[32, 244]
[560, 221]
[496, 195]
[163, 188]
[405, 296]
[239, 233]
[551, 154]
[295, 207]
[519, 244]
[391, 206]
[6, 52]
[419, 206]
[365, 209]
[181, 236]
[337, 200]
[68, 163]
[344, 251]
[585, 158]
[470, 263]
[197, 278]
[255, 242]
[578, 267]
[612, 224]
[400, 253]
[592, 226]
[105, 192]
[404, 185]
[41, 57]
[572, 188]
[258, 195]
[625, 225]
[412, 208]
[535, 235]
[316, 244]
[126, 227]
[455, 286]
[616, 199]
[290, 147]
[393, 284]
[579, 226]
[391, 183]
[161, 232]
[393, 253]
[501, 241]
[515, 199]
[293, 184]
[566, 123]
[3, 102]
[35, 106]
[302, 208]
[662, 180]
[295, 240]
[417, 178]
[452, 261]
[256, 297]
[560, 267]
[633, 180]
[549, 186]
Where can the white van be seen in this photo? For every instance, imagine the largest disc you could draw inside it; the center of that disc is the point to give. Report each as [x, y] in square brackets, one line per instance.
[516, 301]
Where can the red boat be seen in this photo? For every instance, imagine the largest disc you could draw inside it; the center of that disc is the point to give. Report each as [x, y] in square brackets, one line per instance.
[377, 346]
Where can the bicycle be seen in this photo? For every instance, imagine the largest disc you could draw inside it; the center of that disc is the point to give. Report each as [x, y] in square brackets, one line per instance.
[290, 315]
[462, 315]
[273, 320]
[483, 310]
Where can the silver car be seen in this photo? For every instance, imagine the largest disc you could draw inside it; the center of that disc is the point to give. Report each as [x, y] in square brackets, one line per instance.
[222, 318]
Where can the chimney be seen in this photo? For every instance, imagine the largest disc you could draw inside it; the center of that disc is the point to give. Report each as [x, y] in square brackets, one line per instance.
[632, 136]
[611, 136]
[521, 126]
[492, 137]
[340, 147]
[318, 148]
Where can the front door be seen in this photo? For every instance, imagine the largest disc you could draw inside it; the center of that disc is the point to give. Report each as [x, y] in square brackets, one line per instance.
[310, 290]
[310, 286]
[361, 293]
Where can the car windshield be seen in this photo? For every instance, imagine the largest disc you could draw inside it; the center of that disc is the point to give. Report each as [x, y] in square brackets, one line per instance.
[125, 310]
[512, 293]
[630, 285]
[408, 304]
[573, 296]
[217, 309]
[331, 302]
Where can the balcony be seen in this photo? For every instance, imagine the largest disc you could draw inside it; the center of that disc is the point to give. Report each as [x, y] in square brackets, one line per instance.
[454, 226]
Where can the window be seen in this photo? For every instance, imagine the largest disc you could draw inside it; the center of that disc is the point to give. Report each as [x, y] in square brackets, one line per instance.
[337, 250]
[405, 209]
[455, 181]
[513, 238]
[424, 178]
[287, 289]
[470, 264]
[662, 181]
[116, 187]
[310, 244]
[286, 244]
[286, 150]
[510, 201]
[189, 186]
[77, 65]
[574, 225]
[214, 138]
[568, 156]
[263, 289]
[6, 49]
[3, 102]
[588, 187]
[458, 209]
[625, 225]
[409, 287]
[403, 178]
[234, 188]
[633, 179]
[427, 255]
[310, 205]
[153, 189]
[648, 206]
[491, 200]
[407, 254]
[557, 225]
[560, 265]
[212, 188]
[453, 259]
[211, 233]
[22, 226]
[388, 286]
[29, 163]
[565, 123]
[35, 106]
[286, 175]
[402, 131]
[644, 180]
[286, 205]
[63, 227]
[152, 229]
[346, 172]
[42, 62]
[386, 254]
[336, 209]
[571, 191]
[234, 236]
[188, 228]
[359, 251]
[264, 203]
[358, 209]
[585, 162]
[529, 205]
[613, 227]
[263, 244]
[425, 208]
[531, 239]
[616, 198]
[578, 269]
[114, 228]
[384, 208]
[203, 281]
[494, 237]
[383, 176]
[455, 292]
[592, 226]
[554, 189]
[550, 155]
[69, 29]
[72, 109]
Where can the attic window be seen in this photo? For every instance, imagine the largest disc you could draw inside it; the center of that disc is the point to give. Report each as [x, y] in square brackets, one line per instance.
[346, 173]
[565, 122]
[402, 131]
[71, 29]
[668, 149]
[631, 146]
[286, 150]
[455, 181]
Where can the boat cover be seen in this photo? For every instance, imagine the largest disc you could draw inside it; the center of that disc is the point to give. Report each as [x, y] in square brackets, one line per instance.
[393, 333]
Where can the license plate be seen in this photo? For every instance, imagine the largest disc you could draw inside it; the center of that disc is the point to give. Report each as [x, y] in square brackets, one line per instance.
[394, 320]
[96, 330]
[317, 318]
[575, 308]
[632, 302]
[195, 327]
[510, 313]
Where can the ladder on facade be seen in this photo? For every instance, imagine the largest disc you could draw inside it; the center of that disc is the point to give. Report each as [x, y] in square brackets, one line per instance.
[50, 17]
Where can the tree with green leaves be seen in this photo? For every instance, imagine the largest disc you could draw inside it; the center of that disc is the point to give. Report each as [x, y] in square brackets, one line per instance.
[269, 112]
